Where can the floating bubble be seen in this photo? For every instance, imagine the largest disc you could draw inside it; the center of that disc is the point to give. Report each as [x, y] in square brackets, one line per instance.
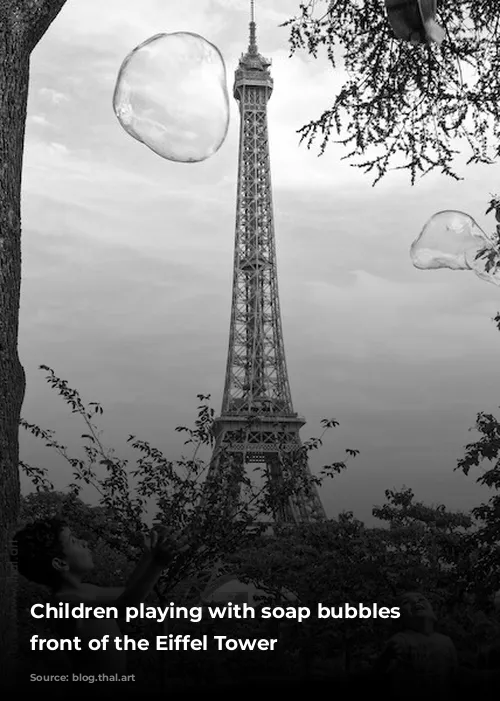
[171, 95]
[448, 240]
[452, 240]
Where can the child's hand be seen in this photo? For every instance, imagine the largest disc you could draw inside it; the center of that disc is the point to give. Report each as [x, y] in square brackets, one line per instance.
[167, 546]
[396, 649]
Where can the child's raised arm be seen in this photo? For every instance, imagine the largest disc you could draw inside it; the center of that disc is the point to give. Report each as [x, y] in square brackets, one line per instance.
[160, 551]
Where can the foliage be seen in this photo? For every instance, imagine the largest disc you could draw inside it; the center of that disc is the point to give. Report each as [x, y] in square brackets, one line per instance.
[483, 454]
[435, 544]
[404, 106]
[486, 449]
[178, 491]
[490, 254]
[342, 560]
[449, 555]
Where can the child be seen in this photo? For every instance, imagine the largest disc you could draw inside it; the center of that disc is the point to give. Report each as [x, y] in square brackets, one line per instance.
[48, 553]
[418, 659]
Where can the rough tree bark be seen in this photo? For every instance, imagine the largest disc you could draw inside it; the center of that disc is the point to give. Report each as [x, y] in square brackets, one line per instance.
[22, 25]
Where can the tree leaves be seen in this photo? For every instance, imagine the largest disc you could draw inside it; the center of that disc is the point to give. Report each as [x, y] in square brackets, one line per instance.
[177, 491]
[400, 106]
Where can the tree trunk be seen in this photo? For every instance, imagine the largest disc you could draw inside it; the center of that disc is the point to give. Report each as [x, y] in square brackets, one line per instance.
[14, 71]
[22, 24]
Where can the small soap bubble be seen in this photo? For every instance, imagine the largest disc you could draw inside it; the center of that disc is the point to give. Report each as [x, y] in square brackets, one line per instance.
[454, 240]
[450, 239]
[171, 95]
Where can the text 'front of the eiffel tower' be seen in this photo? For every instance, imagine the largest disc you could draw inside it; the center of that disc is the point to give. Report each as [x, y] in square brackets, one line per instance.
[257, 422]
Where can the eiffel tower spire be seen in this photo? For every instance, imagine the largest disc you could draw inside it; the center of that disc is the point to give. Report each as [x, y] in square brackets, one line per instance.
[252, 46]
[257, 419]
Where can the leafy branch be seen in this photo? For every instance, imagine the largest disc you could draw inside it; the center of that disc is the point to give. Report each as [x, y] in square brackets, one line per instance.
[220, 514]
[402, 106]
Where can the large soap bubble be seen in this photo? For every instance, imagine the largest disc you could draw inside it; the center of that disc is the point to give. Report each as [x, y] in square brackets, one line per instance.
[171, 95]
[453, 240]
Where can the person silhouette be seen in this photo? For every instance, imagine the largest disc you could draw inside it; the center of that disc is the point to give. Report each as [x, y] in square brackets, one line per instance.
[418, 660]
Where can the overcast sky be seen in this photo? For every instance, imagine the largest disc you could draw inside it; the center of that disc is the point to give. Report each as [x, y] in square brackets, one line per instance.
[128, 267]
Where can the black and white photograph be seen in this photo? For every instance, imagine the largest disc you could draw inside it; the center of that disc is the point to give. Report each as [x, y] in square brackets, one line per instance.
[250, 348]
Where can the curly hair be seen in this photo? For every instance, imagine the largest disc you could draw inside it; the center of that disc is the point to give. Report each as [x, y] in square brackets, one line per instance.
[34, 548]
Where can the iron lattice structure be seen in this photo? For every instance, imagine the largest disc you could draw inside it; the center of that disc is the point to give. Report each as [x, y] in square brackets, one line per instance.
[257, 422]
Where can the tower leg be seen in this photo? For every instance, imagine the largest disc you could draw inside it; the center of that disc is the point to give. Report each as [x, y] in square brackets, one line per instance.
[224, 481]
[293, 496]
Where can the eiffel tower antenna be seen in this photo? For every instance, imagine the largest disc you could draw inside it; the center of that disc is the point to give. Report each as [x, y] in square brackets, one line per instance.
[252, 48]
[257, 423]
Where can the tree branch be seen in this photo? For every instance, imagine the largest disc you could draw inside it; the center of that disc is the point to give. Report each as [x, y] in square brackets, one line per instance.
[407, 108]
[37, 16]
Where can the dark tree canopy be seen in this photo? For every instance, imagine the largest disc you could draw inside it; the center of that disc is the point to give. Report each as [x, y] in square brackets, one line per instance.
[404, 106]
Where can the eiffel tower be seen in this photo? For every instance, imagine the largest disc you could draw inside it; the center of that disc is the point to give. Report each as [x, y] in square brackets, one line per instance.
[257, 423]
